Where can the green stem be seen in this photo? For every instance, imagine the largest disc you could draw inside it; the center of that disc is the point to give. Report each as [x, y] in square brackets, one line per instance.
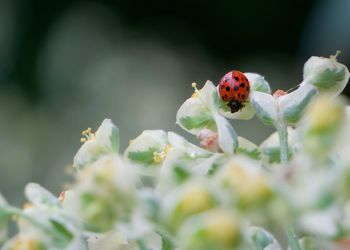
[283, 137]
[292, 240]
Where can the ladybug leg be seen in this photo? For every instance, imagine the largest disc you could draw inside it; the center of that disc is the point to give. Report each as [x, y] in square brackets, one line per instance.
[242, 106]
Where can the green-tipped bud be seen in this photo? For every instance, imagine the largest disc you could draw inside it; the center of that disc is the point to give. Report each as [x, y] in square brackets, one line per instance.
[326, 74]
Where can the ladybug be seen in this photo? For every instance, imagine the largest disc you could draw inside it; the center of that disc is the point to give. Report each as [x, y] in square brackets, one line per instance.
[234, 88]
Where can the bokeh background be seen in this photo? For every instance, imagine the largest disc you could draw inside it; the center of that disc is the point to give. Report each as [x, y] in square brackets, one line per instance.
[66, 65]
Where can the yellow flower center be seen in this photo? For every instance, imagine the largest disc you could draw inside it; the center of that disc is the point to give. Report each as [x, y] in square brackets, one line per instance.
[158, 157]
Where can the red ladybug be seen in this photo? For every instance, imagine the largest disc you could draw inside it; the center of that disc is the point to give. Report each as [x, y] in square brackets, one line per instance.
[234, 88]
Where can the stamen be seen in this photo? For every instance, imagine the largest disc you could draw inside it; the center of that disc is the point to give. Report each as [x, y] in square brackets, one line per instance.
[334, 57]
[87, 135]
[196, 91]
[158, 157]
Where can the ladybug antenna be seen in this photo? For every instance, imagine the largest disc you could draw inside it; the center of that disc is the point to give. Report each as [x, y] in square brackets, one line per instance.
[293, 88]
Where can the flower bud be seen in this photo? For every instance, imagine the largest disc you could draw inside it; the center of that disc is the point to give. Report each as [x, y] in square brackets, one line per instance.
[104, 193]
[322, 125]
[326, 74]
[246, 182]
[190, 199]
[215, 229]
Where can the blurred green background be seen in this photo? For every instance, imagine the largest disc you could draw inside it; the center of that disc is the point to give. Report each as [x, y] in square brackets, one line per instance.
[66, 65]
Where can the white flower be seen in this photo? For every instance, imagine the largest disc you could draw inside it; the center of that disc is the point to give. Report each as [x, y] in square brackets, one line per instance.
[104, 141]
[104, 193]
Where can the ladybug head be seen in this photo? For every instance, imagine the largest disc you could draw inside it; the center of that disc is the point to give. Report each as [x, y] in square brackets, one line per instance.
[235, 106]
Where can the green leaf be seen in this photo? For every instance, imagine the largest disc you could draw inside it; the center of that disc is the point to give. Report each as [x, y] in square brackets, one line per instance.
[274, 154]
[253, 154]
[181, 174]
[62, 230]
[202, 120]
[167, 244]
[142, 157]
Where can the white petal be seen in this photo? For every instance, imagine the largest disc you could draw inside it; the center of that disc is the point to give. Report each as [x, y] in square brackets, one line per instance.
[107, 135]
[227, 135]
[193, 116]
[258, 83]
[37, 195]
[293, 105]
[88, 152]
[265, 106]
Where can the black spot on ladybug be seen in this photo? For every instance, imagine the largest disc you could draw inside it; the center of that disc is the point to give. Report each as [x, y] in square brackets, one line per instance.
[239, 95]
[243, 96]
[225, 96]
[236, 78]
[248, 88]
[242, 85]
[235, 88]
[227, 88]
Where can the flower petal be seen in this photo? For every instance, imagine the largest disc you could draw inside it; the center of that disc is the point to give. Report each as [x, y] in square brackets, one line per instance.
[227, 136]
[141, 150]
[293, 105]
[265, 106]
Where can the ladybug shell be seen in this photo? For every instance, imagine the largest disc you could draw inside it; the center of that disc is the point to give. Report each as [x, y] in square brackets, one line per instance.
[234, 86]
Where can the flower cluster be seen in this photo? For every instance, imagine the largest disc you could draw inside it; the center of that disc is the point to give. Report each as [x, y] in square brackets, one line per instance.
[165, 193]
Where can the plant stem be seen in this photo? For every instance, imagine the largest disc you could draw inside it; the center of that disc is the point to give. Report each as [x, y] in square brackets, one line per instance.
[292, 239]
[283, 137]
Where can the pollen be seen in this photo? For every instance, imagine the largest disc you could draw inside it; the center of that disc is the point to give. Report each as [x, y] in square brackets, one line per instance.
[88, 135]
[158, 157]
[194, 95]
